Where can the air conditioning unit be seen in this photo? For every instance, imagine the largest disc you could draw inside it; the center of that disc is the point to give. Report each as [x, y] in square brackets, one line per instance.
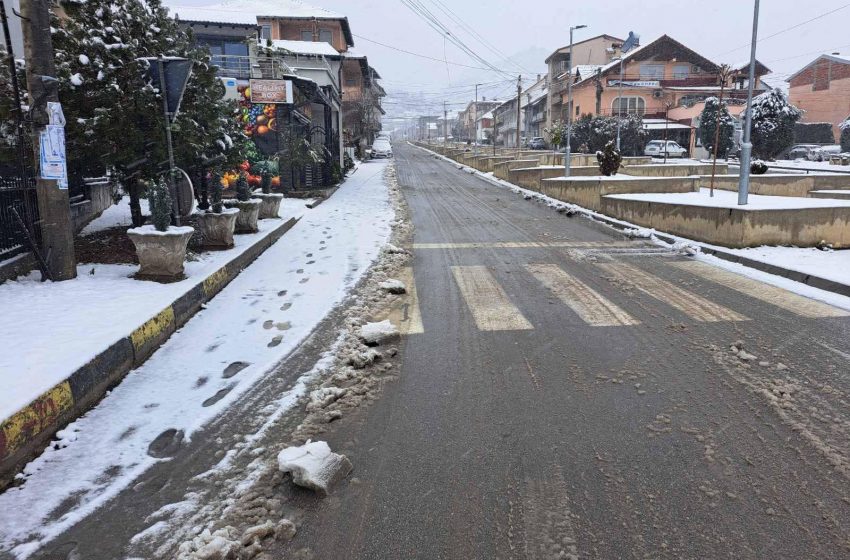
[230, 88]
[657, 93]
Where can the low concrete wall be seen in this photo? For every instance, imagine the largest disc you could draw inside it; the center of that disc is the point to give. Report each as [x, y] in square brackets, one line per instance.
[672, 169]
[501, 169]
[781, 184]
[100, 198]
[735, 227]
[485, 164]
[588, 193]
[530, 177]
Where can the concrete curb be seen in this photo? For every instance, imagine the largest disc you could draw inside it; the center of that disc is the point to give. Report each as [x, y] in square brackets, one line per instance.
[797, 276]
[25, 433]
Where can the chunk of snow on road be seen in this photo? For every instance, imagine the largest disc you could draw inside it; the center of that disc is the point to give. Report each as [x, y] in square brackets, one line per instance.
[321, 398]
[642, 233]
[393, 286]
[314, 466]
[394, 250]
[378, 333]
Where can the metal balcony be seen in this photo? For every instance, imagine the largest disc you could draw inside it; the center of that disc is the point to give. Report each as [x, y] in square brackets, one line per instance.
[245, 67]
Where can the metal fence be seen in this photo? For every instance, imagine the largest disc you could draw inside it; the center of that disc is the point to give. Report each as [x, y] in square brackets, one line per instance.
[17, 200]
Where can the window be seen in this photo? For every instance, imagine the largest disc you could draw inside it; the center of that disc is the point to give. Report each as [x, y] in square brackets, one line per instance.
[681, 71]
[628, 106]
[235, 48]
[326, 36]
[266, 31]
[651, 71]
[306, 35]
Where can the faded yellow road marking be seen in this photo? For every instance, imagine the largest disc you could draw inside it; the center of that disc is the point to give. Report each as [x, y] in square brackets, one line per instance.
[525, 245]
[697, 307]
[36, 417]
[490, 306]
[152, 328]
[406, 315]
[594, 309]
[771, 294]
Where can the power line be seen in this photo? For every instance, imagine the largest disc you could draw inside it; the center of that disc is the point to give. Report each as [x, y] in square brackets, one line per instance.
[441, 61]
[795, 26]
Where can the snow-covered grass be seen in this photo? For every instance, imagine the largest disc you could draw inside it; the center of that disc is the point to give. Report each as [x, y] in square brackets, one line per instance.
[257, 319]
[832, 265]
[729, 199]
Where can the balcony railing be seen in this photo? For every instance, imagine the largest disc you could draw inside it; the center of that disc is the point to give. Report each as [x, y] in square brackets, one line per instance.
[244, 67]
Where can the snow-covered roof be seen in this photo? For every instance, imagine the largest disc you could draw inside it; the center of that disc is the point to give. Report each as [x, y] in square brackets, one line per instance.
[306, 47]
[587, 70]
[487, 115]
[841, 59]
[244, 12]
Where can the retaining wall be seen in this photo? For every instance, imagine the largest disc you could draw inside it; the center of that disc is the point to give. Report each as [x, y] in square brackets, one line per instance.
[589, 192]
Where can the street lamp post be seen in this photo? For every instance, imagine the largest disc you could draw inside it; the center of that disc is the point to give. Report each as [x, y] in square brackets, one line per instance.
[746, 145]
[475, 123]
[620, 101]
[570, 102]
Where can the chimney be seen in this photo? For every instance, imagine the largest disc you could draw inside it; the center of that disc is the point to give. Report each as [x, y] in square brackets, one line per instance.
[484, 98]
[539, 76]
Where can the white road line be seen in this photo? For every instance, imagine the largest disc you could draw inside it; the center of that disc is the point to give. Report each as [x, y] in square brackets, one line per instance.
[524, 245]
[696, 307]
[594, 309]
[490, 306]
[771, 294]
[406, 315]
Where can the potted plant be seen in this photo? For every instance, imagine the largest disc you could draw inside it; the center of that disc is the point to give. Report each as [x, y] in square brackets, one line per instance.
[217, 223]
[161, 247]
[271, 201]
[249, 208]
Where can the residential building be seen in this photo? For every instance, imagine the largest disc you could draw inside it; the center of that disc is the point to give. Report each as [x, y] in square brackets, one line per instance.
[427, 127]
[361, 101]
[535, 107]
[822, 89]
[485, 127]
[468, 118]
[596, 51]
[506, 124]
[662, 80]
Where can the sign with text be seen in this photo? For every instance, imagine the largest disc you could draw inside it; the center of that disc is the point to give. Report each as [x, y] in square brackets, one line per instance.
[52, 155]
[635, 83]
[271, 91]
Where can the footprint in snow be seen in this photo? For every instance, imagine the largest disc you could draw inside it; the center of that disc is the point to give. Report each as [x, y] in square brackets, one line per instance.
[275, 341]
[268, 324]
[166, 444]
[201, 382]
[282, 292]
[304, 280]
[300, 271]
[285, 306]
[285, 326]
[218, 396]
[311, 262]
[233, 369]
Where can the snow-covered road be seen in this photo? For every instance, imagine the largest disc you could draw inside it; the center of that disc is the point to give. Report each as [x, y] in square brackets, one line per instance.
[250, 326]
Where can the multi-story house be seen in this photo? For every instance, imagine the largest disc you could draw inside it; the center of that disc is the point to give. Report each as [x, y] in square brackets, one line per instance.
[534, 107]
[506, 124]
[596, 51]
[822, 89]
[468, 118]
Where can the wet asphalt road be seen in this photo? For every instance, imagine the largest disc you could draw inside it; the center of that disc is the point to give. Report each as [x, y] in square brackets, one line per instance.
[621, 426]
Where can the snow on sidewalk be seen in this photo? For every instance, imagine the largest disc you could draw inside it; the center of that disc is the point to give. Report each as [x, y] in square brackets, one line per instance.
[729, 199]
[61, 326]
[255, 321]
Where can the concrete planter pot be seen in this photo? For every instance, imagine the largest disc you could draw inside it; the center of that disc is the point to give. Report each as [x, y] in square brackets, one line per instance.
[249, 212]
[217, 229]
[161, 253]
[271, 204]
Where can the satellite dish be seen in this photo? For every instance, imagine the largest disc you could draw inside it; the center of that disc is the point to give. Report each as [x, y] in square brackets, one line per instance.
[632, 42]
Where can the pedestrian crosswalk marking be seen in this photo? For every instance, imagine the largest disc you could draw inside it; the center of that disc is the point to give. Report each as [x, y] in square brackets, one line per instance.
[526, 245]
[697, 307]
[406, 315]
[594, 309]
[487, 301]
[773, 295]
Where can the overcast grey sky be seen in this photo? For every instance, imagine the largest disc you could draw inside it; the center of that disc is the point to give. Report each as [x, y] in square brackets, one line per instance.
[717, 29]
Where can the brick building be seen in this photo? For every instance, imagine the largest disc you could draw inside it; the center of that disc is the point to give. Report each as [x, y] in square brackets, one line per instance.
[822, 90]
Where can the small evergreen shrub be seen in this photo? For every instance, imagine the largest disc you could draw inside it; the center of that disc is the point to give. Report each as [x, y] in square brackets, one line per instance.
[266, 182]
[216, 189]
[609, 160]
[758, 168]
[160, 203]
[845, 136]
[243, 191]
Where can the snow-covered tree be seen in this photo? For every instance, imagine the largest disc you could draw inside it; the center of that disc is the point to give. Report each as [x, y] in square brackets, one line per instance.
[714, 113]
[114, 115]
[845, 135]
[596, 132]
[773, 120]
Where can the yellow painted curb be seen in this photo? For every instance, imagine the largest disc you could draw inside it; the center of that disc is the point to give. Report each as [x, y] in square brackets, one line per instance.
[153, 328]
[214, 282]
[39, 415]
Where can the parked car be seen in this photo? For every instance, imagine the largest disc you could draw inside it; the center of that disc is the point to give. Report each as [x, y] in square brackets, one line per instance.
[382, 149]
[801, 151]
[823, 153]
[537, 143]
[655, 148]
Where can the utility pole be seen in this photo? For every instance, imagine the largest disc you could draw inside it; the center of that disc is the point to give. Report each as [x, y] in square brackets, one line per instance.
[445, 126]
[747, 145]
[567, 154]
[57, 233]
[475, 123]
[518, 98]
